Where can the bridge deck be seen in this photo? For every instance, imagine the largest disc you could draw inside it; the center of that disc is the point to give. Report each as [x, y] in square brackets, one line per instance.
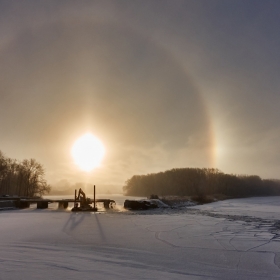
[20, 202]
[35, 200]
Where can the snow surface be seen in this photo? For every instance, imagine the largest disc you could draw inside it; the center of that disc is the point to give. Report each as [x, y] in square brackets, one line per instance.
[233, 239]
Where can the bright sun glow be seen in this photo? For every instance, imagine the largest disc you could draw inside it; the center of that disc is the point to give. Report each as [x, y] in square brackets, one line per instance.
[88, 152]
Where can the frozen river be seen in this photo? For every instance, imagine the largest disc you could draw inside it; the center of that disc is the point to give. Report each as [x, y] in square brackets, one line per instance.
[262, 207]
[232, 239]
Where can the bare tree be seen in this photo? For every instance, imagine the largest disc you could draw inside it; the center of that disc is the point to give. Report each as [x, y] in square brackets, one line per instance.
[26, 178]
[32, 177]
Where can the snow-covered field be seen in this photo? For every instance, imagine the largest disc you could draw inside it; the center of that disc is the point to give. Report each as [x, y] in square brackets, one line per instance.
[213, 241]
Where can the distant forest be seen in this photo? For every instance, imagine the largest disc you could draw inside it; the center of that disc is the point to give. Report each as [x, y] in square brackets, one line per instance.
[199, 182]
[25, 178]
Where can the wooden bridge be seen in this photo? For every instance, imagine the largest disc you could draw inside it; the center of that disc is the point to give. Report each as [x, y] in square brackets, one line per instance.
[24, 202]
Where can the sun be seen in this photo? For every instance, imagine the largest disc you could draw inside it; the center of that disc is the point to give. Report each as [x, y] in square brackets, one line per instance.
[88, 152]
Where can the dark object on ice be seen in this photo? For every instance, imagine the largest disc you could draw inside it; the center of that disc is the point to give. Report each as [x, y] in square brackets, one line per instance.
[154, 196]
[202, 199]
[139, 204]
[82, 209]
[42, 204]
[21, 204]
[84, 202]
[7, 205]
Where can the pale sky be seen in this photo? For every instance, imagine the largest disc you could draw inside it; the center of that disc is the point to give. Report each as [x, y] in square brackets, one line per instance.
[163, 84]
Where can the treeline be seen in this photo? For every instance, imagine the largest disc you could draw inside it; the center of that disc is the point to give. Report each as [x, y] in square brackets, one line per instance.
[25, 178]
[198, 182]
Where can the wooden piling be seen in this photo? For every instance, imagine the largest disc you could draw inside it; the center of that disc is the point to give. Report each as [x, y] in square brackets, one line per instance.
[42, 204]
[94, 196]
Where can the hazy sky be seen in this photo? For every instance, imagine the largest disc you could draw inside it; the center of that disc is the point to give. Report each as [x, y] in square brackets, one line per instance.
[163, 84]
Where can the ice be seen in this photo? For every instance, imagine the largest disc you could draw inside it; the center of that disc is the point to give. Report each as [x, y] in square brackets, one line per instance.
[262, 207]
[52, 244]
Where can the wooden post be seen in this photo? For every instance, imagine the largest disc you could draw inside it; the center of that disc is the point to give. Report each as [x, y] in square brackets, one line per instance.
[94, 196]
[75, 199]
[42, 204]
